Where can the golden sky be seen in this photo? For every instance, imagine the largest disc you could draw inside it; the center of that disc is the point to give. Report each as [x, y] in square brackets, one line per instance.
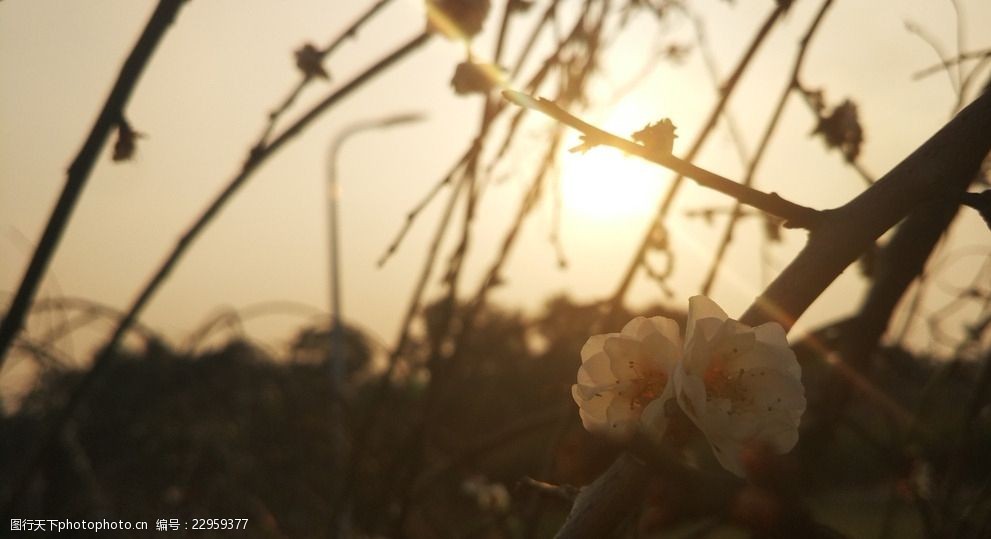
[226, 63]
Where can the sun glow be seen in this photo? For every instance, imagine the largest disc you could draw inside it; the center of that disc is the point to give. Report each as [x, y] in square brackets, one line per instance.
[604, 184]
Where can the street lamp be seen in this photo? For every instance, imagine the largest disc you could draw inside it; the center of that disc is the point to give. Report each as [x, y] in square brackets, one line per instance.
[333, 196]
[337, 361]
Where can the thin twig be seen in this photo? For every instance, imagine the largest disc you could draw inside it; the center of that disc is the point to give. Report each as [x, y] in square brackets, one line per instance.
[510, 133]
[492, 275]
[702, 41]
[79, 172]
[415, 212]
[962, 57]
[952, 155]
[350, 32]
[795, 215]
[762, 146]
[256, 157]
[961, 39]
[709, 125]
[557, 208]
[440, 362]
[938, 49]
[969, 79]
[470, 156]
[547, 16]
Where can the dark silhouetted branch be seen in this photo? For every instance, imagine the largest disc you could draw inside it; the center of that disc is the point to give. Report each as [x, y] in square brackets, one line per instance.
[110, 117]
[762, 146]
[899, 264]
[951, 156]
[973, 55]
[795, 216]
[707, 129]
[256, 157]
[603, 504]
[350, 32]
[938, 50]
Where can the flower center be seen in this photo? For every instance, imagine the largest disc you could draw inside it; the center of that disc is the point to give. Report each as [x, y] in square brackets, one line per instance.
[723, 384]
[647, 389]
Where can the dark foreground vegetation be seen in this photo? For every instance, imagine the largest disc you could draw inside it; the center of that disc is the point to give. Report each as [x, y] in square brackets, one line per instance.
[486, 445]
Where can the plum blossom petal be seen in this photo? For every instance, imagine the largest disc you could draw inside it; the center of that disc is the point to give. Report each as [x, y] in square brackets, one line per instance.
[704, 315]
[660, 339]
[740, 385]
[624, 374]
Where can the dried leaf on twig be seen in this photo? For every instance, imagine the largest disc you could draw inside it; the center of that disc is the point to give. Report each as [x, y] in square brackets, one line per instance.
[658, 136]
[309, 60]
[125, 146]
[841, 129]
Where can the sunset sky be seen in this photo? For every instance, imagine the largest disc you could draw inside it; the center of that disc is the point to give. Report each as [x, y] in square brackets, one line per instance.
[225, 63]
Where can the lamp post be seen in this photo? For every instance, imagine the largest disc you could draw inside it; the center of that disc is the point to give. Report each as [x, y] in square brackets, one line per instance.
[337, 359]
[333, 197]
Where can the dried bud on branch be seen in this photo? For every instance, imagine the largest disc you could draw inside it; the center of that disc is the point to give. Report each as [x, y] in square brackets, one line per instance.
[309, 60]
[457, 19]
[476, 78]
[658, 136]
[841, 129]
[125, 145]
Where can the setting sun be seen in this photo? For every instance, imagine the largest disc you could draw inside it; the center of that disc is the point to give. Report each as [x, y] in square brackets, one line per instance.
[605, 184]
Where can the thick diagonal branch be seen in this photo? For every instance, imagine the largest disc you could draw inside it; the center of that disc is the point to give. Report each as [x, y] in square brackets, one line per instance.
[951, 156]
[762, 146]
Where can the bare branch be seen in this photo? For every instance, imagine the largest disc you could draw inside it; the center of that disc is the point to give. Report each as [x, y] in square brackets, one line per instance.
[962, 57]
[952, 155]
[796, 216]
[954, 152]
[256, 157]
[109, 118]
[762, 146]
[707, 129]
[914, 28]
[350, 32]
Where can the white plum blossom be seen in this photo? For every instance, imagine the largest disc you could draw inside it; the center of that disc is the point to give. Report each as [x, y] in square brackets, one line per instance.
[625, 378]
[740, 385]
